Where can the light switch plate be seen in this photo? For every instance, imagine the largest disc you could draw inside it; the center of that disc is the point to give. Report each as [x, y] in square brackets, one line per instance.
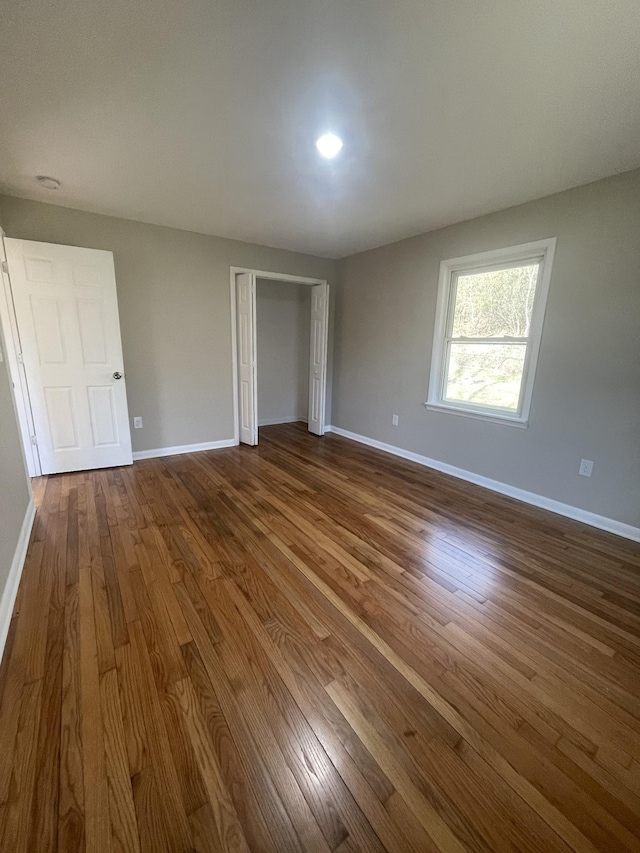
[586, 468]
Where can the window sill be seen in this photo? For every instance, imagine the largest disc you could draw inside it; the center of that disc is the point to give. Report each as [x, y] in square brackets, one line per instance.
[479, 416]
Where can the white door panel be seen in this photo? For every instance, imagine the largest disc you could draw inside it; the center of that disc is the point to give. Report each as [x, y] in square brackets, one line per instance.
[62, 418]
[318, 357]
[246, 340]
[102, 408]
[67, 315]
[95, 350]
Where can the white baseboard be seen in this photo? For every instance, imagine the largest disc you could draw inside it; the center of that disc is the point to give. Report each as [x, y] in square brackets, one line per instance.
[628, 531]
[183, 448]
[10, 591]
[289, 419]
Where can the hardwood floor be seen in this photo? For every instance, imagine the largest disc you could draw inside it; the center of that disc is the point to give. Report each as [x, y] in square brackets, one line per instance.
[313, 646]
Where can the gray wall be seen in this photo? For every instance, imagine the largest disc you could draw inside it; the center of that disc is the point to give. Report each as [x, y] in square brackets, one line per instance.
[15, 491]
[586, 400]
[173, 294]
[283, 311]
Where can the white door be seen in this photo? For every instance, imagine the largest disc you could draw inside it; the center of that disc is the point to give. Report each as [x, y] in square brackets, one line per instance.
[318, 357]
[67, 315]
[16, 368]
[246, 338]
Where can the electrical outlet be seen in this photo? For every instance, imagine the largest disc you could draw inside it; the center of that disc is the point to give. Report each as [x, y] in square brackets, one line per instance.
[137, 423]
[586, 468]
[394, 420]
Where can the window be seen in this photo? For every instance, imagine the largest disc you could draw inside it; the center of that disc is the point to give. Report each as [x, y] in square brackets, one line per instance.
[488, 329]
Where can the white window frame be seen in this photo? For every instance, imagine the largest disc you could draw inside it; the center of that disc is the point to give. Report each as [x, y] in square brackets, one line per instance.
[540, 251]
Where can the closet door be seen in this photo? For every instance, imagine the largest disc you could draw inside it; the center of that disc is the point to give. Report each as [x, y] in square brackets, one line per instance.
[318, 357]
[246, 338]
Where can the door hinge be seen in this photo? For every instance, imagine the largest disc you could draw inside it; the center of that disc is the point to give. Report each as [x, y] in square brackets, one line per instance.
[5, 267]
[34, 440]
[20, 358]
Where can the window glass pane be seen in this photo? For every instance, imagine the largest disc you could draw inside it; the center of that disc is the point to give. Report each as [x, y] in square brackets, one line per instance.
[485, 374]
[495, 304]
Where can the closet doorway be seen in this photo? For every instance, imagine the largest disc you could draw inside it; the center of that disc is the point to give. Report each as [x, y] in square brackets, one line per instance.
[256, 383]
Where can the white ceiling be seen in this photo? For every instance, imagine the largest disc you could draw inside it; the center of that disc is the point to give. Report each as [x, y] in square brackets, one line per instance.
[202, 114]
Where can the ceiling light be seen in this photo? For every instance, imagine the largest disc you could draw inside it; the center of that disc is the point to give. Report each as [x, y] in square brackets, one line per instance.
[329, 145]
[47, 182]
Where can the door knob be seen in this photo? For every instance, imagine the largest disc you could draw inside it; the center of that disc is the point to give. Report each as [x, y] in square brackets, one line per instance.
[117, 375]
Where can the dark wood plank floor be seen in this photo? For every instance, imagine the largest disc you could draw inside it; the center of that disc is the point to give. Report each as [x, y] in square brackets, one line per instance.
[312, 646]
